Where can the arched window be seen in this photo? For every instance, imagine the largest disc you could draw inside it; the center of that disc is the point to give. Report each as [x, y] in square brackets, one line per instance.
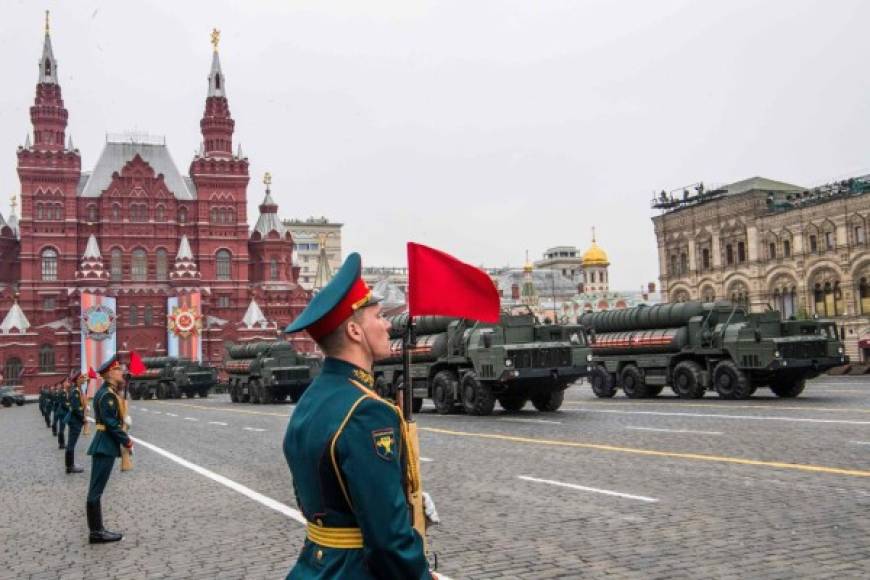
[116, 212]
[273, 269]
[771, 250]
[740, 294]
[162, 264]
[222, 265]
[684, 264]
[116, 265]
[231, 216]
[47, 67]
[786, 249]
[828, 298]
[12, 370]
[46, 358]
[741, 252]
[148, 317]
[708, 294]
[705, 258]
[213, 215]
[140, 265]
[40, 211]
[134, 315]
[182, 215]
[92, 213]
[49, 264]
[864, 296]
[160, 213]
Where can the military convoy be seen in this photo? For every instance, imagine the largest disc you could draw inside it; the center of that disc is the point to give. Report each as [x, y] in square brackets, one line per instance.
[695, 346]
[169, 377]
[466, 365]
[268, 372]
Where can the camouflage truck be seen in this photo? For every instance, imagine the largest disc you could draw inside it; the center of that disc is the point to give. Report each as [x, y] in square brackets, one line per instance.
[169, 377]
[466, 365]
[268, 372]
[695, 346]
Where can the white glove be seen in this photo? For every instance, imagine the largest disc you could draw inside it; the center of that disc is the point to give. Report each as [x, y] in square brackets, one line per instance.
[128, 421]
[430, 511]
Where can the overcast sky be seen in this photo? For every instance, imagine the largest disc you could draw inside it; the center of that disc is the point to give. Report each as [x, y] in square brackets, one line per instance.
[482, 128]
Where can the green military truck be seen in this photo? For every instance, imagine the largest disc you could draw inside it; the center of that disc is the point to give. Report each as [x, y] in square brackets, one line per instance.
[268, 372]
[169, 377]
[695, 346]
[466, 365]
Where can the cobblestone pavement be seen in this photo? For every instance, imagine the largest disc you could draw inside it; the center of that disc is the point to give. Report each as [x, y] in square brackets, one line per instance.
[659, 488]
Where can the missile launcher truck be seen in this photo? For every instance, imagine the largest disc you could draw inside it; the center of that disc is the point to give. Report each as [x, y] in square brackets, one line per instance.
[466, 365]
[268, 372]
[695, 346]
[169, 377]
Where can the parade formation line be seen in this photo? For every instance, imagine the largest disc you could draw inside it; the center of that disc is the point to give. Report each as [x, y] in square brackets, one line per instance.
[655, 453]
[589, 489]
[247, 411]
[724, 416]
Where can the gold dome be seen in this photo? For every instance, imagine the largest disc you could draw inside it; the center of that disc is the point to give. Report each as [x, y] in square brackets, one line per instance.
[595, 256]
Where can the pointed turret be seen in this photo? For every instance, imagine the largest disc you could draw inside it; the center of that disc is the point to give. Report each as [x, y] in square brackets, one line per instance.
[185, 269]
[15, 320]
[254, 316]
[91, 269]
[47, 64]
[324, 273]
[268, 221]
[528, 292]
[27, 144]
[217, 125]
[13, 217]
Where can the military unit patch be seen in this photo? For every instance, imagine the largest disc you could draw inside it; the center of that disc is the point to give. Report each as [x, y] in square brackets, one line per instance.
[385, 443]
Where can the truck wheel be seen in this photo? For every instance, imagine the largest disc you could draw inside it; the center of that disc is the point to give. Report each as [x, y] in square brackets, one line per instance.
[602, 383]
[688, 380]
[266, 397]
[730, 382]
[477, 397]
[512, 403]
[790, 388]
[443, 389]
[632, 383]
[416, 404]
[548, 402]
[234, 394]
[203, 394]
[161, 391]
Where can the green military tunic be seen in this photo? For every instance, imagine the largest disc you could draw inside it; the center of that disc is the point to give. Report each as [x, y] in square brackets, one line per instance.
[106, 445]
[346, 452]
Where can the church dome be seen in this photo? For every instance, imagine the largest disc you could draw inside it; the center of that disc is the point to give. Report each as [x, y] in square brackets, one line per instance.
[595, 256]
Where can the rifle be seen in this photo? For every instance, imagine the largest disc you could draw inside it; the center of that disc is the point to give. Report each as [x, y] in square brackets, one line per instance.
[415, 487]
[126, 454]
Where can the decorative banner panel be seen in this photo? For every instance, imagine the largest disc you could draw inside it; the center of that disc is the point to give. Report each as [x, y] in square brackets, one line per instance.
[184, 325]
[98, 334]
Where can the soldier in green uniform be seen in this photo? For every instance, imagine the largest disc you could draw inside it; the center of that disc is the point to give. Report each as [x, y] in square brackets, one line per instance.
[75, 420]
[106, 446]
[55, 408]
[63, 412]
[43, 405]
[346, 447]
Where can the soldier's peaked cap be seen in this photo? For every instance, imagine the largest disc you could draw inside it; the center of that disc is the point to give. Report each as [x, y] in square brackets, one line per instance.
[111, 363]
[346, 293]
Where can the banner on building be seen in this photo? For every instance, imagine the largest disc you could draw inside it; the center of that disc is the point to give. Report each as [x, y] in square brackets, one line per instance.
[98, 334]
[184, 324]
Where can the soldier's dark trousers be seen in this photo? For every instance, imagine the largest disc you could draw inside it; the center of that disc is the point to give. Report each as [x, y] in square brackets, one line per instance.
[55, 420]
[101, 468]
[47, 416]
[60, 434]
[74, 432]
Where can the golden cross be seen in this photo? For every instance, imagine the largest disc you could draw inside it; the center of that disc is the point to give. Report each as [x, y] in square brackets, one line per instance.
[267, 178]
[593, 233]
[215, 38]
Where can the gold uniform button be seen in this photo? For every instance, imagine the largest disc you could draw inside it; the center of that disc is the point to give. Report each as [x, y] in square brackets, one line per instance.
[319, 554]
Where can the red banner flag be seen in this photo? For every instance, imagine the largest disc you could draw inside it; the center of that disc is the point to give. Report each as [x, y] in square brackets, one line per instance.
[441, 285]
[137, 367]
[92, 374]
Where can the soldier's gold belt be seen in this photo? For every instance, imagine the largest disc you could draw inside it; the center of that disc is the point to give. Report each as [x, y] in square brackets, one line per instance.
[344, 538]
[101, 427]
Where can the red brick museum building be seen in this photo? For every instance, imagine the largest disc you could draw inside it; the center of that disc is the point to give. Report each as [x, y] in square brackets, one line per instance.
[136, 229]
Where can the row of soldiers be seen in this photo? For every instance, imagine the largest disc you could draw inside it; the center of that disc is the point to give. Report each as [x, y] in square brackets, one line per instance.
[64, 408]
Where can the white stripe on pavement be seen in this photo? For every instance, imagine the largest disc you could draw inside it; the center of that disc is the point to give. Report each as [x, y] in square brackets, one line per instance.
[590, 489]
[190, 419]
[426, 460]
[518, 420]
[861, 442]
[171, 415]
[156, 412]
[253, 429]
[221, 423]
[721, 416]
[675, 430]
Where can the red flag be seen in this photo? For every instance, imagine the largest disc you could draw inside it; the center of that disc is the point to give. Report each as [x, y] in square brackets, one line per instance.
[440, 284]
[92, 374]
[137, 367]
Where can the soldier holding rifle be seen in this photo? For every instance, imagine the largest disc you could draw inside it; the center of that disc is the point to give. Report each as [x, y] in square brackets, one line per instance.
[354, 467]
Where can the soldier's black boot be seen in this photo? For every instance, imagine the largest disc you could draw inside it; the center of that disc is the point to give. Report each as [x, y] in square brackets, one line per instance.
[61, 441]
[47, 422]
[95, 524]
[71, 466]
[54, 430]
